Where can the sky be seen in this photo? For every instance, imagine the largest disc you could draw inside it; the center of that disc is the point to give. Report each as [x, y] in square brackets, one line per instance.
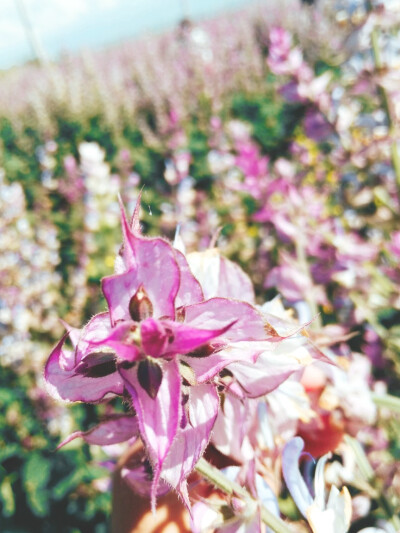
[69, 25]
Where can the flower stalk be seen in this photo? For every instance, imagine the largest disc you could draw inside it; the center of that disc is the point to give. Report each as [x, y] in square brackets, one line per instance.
[305, 267]
[387, 400]
[217, 478]
[368, 473]
[386, 104]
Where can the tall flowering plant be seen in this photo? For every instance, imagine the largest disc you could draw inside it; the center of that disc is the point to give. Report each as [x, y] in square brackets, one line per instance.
[174, 354]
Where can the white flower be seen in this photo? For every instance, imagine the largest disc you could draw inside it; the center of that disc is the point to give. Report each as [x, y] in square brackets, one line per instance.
[324, 516]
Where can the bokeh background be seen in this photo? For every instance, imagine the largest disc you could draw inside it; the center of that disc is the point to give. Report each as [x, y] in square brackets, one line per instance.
[271, 128]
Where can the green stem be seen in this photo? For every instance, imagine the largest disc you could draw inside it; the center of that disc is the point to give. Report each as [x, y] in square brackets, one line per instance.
[217, 478]
[387, 400]
[369, 475]
[305, 267]
[375, 49]
[362, 460]
[396, 163]
[386, 104]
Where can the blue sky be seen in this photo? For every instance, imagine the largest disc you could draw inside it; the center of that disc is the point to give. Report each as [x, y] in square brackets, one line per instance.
[68, 25]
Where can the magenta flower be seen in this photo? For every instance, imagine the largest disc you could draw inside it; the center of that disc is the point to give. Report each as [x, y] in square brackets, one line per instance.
[163, 345]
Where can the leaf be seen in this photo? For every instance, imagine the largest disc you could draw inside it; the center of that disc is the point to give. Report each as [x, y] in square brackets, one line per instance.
[7, 497]
[36, 472]
[83, 474]
[8, 451]
[69, 483]
[38, 501]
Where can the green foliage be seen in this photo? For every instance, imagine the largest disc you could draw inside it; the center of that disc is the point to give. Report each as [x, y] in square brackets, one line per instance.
[273, 121]
[38, 485]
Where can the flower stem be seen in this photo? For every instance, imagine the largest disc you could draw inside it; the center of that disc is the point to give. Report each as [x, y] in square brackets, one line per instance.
[217, 478]
[368, 473]
[387, 400]
[386, 104]
[305, 268]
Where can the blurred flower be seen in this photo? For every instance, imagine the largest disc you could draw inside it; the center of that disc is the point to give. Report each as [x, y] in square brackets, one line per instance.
[332, 515]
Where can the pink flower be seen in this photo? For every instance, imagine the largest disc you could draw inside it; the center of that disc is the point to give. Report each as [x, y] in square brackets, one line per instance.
[162, 344]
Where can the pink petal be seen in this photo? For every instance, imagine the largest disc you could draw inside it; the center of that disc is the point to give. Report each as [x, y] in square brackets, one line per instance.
[273, 366]
[217, 312]
[70, 386]
[74, 333]
[118, 291]
[140, 482]
[156, 270]
[220, 277]
[232, 428]
[291, 282]
[264, 376]
[206, 368]
[190, 291]
[166, 337]
[158, 417]
[127, 254]
[96, 329]
[191, 441]
[154, 337]
[188, 338]
[234, 282]
[135, 219]
[118, 429]
[119, 340]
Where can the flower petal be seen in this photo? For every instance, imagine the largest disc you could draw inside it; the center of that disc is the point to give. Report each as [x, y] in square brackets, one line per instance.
[217, 312]
[232, 428]
[70, 386]
[74, 333]
[155, 338]
[293, 478]
[156, 269]
[190, 291]
[205, 368]
[158, 417]
[192, 440]
[270, 370]
[119, 428]
[138, 480]
[119, 339]
[162, 338]
[220, 277]
[96, 329]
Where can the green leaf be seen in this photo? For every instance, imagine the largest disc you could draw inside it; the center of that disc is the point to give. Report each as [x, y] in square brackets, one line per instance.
[9, 450]
[7, 497]
[38, 501]
[36, 472]
[69, 483]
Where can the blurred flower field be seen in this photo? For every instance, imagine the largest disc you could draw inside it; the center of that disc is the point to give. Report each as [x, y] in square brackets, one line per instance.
[266, 151]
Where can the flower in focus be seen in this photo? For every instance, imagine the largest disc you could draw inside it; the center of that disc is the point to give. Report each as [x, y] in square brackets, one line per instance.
[162, 345]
